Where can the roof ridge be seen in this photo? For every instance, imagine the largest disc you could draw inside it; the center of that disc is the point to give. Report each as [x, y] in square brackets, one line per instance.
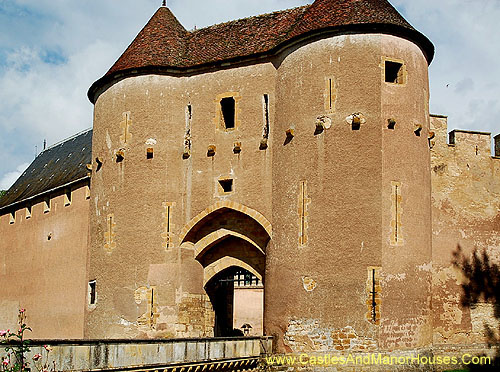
[249, 18]
[65, 140]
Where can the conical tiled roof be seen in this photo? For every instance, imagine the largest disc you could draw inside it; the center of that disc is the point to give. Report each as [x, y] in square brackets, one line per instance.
[334, 13]
[163, 44]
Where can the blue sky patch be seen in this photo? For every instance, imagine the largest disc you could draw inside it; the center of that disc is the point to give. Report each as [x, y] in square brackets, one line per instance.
[53, 57]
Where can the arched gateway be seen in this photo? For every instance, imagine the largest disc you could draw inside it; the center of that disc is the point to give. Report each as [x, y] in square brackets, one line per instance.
[229, 240]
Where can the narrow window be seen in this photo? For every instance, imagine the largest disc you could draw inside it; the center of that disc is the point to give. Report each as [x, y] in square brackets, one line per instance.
[265, 132]
[67, 198]
[330, 91]
[12, 217]
[373, 289]
[330, 94]
[396, 235]
[304, 201]
[393, 72]
[28, 211]
[109, 235]
[110, 227]
[87, 192]
[149, 153]
[226, 185]
[168, 223]
[92, 292]
[374, 293]
[227, 108]
[187, 134]
[125, 125]
[302, 214]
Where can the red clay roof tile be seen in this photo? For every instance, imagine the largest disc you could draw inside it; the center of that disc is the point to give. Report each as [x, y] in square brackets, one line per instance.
[164, 43]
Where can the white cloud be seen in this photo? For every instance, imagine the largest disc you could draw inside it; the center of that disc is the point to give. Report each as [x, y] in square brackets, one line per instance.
[9, 178]
[51, 51]
[464, 77]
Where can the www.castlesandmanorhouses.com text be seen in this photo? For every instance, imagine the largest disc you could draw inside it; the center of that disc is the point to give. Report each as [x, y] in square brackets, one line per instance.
[375, 359]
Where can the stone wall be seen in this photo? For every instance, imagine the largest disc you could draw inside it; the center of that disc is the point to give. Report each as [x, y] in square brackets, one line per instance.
[236, 354]
[43, 257]
[466, 213]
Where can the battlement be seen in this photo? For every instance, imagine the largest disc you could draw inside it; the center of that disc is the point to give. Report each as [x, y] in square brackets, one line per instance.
[497, 145]
[476, 142]
[46, 204]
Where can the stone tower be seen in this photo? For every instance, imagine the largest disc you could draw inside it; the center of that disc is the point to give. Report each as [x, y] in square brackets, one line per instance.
[292, 145]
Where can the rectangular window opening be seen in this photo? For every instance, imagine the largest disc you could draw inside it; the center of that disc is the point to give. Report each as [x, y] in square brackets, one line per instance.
[92, 292]
[330, 91]
[396, 235]
[303, 197]
[227, 106]
[266, 116]
[149, 153]
[226, 185]
[190, 112]
[28, 211]
[374, 298]
[12, 217]
[374, 293]
[393, 72]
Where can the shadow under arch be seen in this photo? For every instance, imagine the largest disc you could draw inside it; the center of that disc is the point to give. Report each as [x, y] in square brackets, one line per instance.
[190, 230]
[229, 240]
[226, 290]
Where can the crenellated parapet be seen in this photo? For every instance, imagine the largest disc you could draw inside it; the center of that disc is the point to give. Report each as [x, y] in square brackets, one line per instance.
[462, 140]
[465, 212]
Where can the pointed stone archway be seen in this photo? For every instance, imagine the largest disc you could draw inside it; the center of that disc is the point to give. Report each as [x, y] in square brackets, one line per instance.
[229, 240]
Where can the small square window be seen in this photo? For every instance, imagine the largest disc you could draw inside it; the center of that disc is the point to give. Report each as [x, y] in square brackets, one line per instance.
[149, 153]
[226, 185]
[394, 72]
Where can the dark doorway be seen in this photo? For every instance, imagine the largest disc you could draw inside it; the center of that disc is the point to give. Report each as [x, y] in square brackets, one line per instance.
[221, 290]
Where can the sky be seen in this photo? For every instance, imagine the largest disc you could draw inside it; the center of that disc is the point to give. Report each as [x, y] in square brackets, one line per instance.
[51, 51]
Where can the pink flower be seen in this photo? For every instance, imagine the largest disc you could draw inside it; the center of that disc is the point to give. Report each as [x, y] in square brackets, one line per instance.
[37, 357]
[3, 333]
[5, 362]
[22, 310]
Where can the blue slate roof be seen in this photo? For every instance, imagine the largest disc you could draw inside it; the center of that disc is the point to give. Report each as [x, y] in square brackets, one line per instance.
[54, 167]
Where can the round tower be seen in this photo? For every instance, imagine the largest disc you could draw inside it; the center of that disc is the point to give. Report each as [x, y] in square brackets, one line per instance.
[141, 128]
[348, 267]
